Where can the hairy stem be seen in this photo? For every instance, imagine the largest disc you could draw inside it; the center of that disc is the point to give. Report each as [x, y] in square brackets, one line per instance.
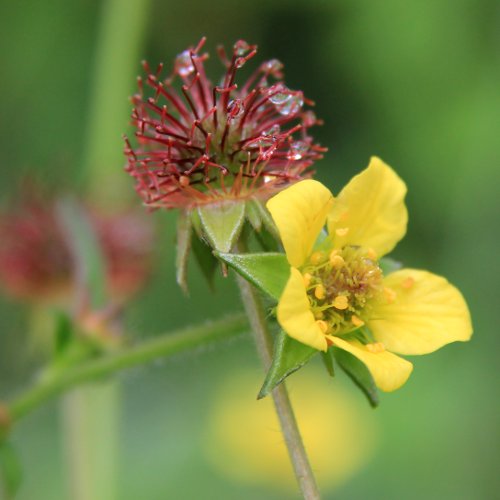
[298, 456]
[147, 351]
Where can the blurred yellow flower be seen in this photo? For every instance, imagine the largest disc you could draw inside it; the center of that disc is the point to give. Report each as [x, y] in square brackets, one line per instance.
[336, 293]
[244, 440]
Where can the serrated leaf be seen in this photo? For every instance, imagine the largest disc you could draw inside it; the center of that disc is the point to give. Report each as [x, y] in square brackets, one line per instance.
[183, 246]
[358, 373]
[206, 261]
[85, 249]
[269, 272]
[222, 223]
[389, 265]
[328, 362]
[288, 357]
[11, 474]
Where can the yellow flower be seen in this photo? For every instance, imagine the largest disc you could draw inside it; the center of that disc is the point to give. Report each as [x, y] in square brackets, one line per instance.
[336, 293]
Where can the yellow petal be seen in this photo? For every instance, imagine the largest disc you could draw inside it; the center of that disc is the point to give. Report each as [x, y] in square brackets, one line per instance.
[424, 313]
[300, 212]
[370, 210]
[389, 371]
[295, 315]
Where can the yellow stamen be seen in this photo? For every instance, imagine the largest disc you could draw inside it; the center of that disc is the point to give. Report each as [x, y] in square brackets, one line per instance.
[390, 295]
[323, 325]
[336, 260]
[307, 279]
[371, 254]
[341, 231]
[320, 292]
[408, 283]
[376, 347]
[341, 302]
[316, 258]
[357, 321]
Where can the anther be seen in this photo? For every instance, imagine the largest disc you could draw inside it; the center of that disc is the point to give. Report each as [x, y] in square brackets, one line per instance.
[336, 260]
[316, 258]
[340, 302]
[341, 231]
[357, 321]
[307, 279]
[320, 292]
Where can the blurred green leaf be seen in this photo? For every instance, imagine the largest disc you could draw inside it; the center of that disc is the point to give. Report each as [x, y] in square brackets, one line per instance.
[85, 249]
[269, 272]
[289, 356]
[11, 474]
[222, 223]
[183, 246]
[358, 373]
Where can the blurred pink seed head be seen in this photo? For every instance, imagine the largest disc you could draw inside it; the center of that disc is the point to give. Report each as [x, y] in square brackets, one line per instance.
[198, 142]
[36, 262]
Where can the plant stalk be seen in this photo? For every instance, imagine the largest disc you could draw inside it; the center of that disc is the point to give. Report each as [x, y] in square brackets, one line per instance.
[93, 370]
[298, 456]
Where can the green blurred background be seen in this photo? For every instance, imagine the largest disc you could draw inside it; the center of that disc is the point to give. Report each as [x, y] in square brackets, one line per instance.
[415, 82]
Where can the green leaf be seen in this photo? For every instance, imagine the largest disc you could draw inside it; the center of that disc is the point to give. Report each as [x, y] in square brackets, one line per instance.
[85, 249]
[328, 362]
[269, 272]
[11, 474]
[205, 259]
[183, 247]
[222, 223]
[358, 373]
[389, 265]
[289, 356]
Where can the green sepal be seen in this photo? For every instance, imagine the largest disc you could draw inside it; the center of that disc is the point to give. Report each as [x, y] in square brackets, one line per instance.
[222, 223]
[184, 230]
[253, 215]
[11, 474]
[205, 259]
[269, 272]
[265, 217]
[358, 373]
[85, 249]
[327, 358]
[288, 357]
[389, 265]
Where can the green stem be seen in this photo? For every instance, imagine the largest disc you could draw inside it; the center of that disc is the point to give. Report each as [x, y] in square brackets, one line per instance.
[118, 51]
[159, 347]
[298, 456]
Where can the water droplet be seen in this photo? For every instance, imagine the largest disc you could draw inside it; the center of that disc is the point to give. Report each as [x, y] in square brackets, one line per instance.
[292, 105]
[241, 48]
[297, 150]
[183, 64]
[280, 97]
[273, 66]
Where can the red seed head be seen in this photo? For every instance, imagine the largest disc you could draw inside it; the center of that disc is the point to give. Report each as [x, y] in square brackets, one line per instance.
[199, 143]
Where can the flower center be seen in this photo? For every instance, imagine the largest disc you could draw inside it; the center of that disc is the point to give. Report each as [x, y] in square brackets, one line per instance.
[340, 284]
